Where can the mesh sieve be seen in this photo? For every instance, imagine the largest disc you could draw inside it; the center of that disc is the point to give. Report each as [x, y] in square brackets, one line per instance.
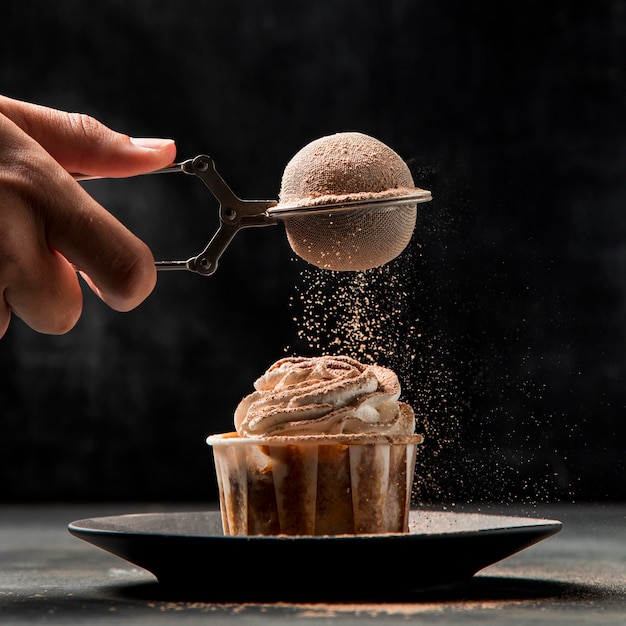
[354, 239]
[364, 201]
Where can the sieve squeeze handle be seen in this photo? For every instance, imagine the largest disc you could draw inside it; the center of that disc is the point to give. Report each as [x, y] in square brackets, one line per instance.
[234, 214]
[175, 167]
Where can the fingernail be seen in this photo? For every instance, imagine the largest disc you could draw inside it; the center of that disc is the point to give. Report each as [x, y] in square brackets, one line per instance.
[151, 142]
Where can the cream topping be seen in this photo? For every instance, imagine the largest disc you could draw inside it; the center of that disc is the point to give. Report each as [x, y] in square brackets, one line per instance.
[324, 395]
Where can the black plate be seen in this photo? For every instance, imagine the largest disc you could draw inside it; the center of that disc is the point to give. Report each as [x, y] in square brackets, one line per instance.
[188, 551]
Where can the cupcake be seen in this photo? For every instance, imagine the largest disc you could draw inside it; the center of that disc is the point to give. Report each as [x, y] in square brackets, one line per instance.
[323, 446]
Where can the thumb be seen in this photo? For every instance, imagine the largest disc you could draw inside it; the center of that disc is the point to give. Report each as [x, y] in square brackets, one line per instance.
[83, 145]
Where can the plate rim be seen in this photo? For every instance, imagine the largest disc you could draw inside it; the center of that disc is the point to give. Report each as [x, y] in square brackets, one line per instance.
[516, 523]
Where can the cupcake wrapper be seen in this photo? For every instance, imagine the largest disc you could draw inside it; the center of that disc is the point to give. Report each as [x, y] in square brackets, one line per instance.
[314, 488]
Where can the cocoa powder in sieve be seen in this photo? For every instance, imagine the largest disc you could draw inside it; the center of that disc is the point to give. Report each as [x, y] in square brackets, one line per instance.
[344, 167]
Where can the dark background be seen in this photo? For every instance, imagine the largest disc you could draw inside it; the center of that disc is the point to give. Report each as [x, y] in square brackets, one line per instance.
[513, 115]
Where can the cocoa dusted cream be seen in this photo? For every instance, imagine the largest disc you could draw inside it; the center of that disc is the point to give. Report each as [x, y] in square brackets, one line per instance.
[324, 395]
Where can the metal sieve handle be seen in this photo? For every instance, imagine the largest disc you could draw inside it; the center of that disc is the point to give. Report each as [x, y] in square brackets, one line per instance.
[234, 214]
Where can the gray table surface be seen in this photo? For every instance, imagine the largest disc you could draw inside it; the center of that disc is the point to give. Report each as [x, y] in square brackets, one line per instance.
[575, 577]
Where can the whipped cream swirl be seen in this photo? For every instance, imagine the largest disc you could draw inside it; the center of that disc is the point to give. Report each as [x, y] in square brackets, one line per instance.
[323, 396]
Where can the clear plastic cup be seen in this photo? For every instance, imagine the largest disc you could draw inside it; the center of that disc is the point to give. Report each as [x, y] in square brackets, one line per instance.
[315, 484]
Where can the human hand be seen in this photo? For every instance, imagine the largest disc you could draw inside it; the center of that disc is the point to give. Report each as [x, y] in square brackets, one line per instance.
[49, 223]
